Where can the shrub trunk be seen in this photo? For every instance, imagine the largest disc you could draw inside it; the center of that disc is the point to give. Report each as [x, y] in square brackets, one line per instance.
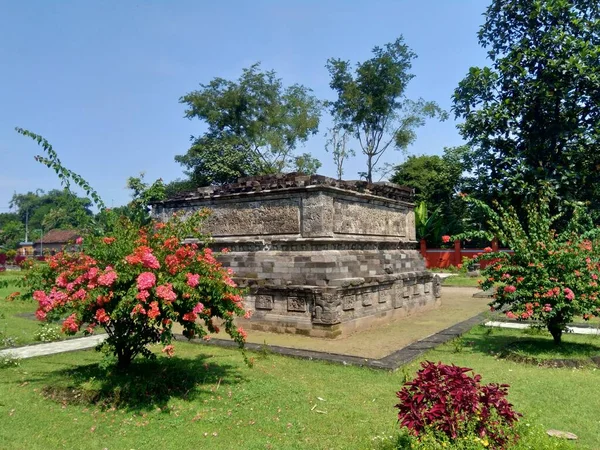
[556, 330]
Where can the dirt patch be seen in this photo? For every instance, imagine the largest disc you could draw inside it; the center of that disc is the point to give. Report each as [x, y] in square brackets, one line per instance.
[458, 304]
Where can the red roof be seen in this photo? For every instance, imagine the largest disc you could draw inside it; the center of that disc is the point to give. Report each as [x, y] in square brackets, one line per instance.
[59, 237]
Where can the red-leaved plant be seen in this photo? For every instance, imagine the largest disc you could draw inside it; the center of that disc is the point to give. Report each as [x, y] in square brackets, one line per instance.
[451, 400]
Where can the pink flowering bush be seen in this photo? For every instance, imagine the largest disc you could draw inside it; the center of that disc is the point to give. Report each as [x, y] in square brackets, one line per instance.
[551, 277]
[135, 283]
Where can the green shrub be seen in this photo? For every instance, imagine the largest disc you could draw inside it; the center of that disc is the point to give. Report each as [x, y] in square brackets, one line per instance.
[47, 333]
[550, 277]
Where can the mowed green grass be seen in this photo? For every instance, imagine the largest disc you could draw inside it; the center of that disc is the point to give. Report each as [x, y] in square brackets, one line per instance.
[16, 316]
[461, 280]
[207, 397]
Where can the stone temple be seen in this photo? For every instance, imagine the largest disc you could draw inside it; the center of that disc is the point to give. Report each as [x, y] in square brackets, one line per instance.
[318, 257]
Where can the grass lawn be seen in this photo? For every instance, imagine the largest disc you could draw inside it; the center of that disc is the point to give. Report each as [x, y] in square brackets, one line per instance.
[16, 316]
[207, 397]
[461, 280]
[536, 345]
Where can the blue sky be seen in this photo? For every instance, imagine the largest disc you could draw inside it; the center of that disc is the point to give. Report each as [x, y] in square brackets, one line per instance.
[101, 79]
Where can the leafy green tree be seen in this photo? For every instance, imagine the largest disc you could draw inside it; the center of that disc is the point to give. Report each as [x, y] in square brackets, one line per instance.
[8, 217]
[371, 103]
[306, 164]
[533, 116]
[549, 277]
[254, 125]
[437, 180]
[178, 186]
[11, 233]
[55, 209]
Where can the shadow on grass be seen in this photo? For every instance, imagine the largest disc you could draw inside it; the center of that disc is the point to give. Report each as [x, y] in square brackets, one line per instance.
[144, 385]
[530, 346]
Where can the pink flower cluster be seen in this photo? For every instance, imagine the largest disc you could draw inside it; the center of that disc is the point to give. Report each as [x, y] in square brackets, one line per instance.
[146, 280]
[143, 255]
[569, 294]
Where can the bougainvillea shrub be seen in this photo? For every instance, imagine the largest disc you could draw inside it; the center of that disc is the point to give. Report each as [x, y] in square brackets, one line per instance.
[450, 400]
[549, 277]
[135, 283]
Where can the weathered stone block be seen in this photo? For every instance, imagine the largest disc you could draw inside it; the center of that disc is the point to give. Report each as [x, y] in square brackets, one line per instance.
[319, 256]
[264, 302]
[296, 304]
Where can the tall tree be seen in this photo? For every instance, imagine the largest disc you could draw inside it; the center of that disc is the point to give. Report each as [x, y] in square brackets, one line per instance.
[254, 125]
[11, 233]
[437, 180]
[371, 103]
[533, 116]
[55, 209]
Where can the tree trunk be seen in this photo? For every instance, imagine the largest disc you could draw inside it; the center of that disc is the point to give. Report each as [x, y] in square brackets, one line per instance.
[556, 331]
[124, 358]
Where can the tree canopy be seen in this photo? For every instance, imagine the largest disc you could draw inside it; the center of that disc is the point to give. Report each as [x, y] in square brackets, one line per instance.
[43, 211]
[371, 102]
[437, 180]
[254, 125]
[533, 116]
[58, 208]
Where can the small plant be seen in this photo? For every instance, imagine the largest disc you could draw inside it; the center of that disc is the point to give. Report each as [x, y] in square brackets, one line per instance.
[9, 360]
[10, 255]
[264, 351]
[6, 340]
[458, 345]
[446, 400]
[47, 333]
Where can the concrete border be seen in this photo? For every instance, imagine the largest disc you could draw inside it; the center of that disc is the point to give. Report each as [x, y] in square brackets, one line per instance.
[390, 362]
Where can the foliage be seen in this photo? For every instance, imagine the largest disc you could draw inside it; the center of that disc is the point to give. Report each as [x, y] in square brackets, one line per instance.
[371, 104]
[11, 230]
[142, 195]
[337, 142]
[254, 125]
[436, 181]
[47, 333]
[446, 399]
[532, 115]
[178, 186]
[5, 339]
[135, 282]
[549, 277]
[9, 360]
[531, 437]
[134, 278]
[43, 211]
[306, 164]
[428, 226]
[53, 162]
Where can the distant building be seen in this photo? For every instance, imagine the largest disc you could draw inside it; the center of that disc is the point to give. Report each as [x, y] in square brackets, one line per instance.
[55, 241]
[25, 249]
